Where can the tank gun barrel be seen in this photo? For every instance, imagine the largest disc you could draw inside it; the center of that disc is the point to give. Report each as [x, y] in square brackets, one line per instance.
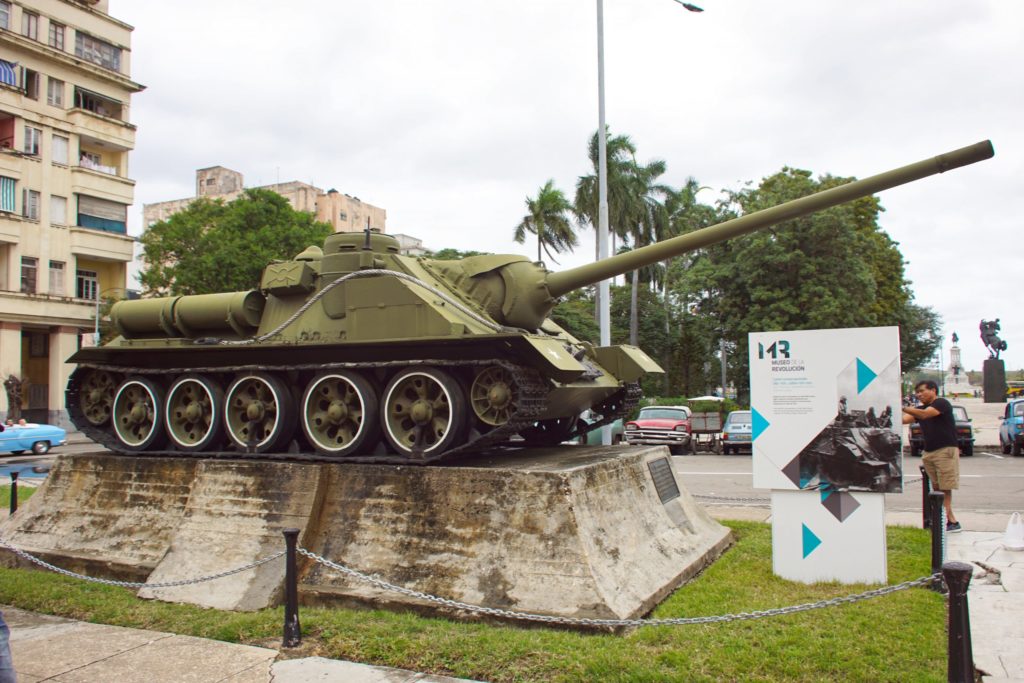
[566, 281]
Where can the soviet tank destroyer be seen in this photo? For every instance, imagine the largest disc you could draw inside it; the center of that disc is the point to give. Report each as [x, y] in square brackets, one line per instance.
[353, 351]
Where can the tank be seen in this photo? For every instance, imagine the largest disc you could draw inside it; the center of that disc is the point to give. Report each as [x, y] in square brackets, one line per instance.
[352, 351]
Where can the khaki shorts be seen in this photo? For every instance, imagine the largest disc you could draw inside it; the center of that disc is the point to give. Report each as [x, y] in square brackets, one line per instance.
[943, 468]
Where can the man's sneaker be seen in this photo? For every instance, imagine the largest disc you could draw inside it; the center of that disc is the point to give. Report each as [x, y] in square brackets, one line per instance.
[953, 528]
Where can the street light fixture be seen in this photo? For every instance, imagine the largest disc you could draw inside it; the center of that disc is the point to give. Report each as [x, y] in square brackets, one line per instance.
[603, 289]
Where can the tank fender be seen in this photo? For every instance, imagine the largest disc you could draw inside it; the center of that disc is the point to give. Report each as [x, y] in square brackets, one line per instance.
[628, 363]
[554, 360]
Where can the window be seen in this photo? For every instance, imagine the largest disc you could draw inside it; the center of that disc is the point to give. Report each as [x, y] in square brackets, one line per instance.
[54, 92]
[30, 25]
[32, 137]
[57, 278]
[88, 285]
[58, 210]
[30, 202]
[60, 149]
[7, 194]
[29, 266]
[56, 35]
[97, 51]
[30, 81]
[5, 15]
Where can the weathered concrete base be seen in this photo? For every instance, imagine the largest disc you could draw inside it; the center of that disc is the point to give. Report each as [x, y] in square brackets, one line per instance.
[568, 531]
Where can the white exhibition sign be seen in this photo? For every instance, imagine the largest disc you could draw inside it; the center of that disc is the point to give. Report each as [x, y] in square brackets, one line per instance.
[826, 420]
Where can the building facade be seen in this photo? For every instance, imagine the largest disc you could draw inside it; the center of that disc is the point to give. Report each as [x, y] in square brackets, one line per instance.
[344, 212]
[65, 139]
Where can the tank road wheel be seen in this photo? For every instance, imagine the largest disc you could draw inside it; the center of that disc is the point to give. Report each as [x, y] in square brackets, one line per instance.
[259, 413]
[424, 412]
[193, 413]
[96, 396]
[138, 414]
[339, 414]
[494, 396]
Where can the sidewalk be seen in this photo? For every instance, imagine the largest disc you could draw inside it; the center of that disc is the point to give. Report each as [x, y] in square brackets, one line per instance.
[49, 648]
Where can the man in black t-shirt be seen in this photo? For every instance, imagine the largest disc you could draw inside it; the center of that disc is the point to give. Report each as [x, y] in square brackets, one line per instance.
[941, 458]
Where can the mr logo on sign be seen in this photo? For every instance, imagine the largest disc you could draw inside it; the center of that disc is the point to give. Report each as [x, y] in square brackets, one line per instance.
[779, 349]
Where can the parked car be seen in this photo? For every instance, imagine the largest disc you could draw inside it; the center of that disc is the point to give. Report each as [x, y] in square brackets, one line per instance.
[661, 426]
[593, 437]
[35, 437]
[1011, 429]
[737, 432]
[964, 434]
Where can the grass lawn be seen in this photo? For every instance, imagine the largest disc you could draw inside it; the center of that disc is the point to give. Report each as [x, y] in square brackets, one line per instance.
[899, 637]
[24, 493]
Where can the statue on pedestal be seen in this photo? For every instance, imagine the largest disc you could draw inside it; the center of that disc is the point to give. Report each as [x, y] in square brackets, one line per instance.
[990, 336]
[14, 388]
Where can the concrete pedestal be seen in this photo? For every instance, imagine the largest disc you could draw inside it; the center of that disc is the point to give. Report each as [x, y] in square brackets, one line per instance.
[584, 531]
[993, 373]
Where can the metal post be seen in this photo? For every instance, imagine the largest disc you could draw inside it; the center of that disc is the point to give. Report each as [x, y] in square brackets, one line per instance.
[14, 492]
[721, 349]
[960, 667]
[292, 631]
[604, 297]
[925, 490]
[936, 499]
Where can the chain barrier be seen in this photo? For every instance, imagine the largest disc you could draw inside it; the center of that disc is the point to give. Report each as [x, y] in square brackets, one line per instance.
[583, 621]
[762, 501]
[135, 584]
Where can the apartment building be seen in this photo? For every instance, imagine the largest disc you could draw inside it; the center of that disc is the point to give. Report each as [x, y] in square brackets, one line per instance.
[65, 138]
[344, 212]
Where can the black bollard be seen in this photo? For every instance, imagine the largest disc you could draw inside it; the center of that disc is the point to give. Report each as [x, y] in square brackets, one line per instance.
[14, 492]
[925, 490]
[292, 632]
[960, 668]
[935, 500]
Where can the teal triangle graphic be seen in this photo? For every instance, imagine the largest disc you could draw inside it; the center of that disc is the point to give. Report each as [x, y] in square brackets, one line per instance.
[759, 423]
[864, 375]
[811, 542]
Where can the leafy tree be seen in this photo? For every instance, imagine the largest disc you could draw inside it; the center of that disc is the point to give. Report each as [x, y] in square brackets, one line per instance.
[450, 254]
[548, 217]
[575, 314]
[213, 246]
[834, 268]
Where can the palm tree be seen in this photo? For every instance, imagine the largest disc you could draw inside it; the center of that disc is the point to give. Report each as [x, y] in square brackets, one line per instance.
[648, 223]
[620, 151]
[548, 217]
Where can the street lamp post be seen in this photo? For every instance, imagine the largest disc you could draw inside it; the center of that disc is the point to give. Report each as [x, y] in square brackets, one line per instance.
[603, 290]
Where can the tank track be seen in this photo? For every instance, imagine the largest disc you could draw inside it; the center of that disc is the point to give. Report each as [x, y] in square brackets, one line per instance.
[533, 390]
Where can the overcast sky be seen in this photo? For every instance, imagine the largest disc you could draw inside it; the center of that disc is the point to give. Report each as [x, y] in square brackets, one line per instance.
[448, 113]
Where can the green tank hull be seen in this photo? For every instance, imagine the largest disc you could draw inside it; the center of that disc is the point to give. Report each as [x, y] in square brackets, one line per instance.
[355, 352]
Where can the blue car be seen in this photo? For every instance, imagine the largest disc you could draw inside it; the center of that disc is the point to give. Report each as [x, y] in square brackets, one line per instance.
[35, 437]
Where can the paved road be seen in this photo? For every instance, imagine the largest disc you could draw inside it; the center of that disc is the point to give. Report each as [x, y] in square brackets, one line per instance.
[990, 483]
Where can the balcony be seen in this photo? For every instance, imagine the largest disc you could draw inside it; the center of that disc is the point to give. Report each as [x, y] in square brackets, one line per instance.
[101, 244]
[47, 309]
[100, 184]
[106, 128]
